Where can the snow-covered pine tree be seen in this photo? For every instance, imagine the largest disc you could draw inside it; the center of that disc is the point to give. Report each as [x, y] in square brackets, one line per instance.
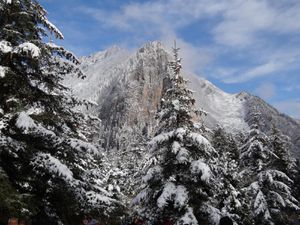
[44, 149]
[229, 196]
[268, 189]
[286, 163]
[179, 183]
[282, 147]
[225, 144]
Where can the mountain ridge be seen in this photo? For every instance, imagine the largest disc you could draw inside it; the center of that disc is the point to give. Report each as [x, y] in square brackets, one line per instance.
[128, 88]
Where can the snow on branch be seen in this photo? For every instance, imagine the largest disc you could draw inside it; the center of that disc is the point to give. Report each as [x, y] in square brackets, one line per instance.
[201, 141]
[198, 167]
[3, 71]
[27, 124]
[83, 146]
[176, 147]
[261, 206]
[160, 139]
[183, 155]
[45, 22]
[282, 186]
[29, 49]
[172, 192]
[181, 196]
[278, 198]
[153, 172]
[180, 133]
[276, 174]
[5, 47]
[188, 217]
[95, 199]
[53, 165]
[63, 52]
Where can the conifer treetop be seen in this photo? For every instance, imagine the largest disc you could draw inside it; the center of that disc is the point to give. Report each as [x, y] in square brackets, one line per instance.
[178, 104]
[176, 64]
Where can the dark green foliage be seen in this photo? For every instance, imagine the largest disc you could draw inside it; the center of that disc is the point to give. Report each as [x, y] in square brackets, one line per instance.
[44, 149]
[12, 203]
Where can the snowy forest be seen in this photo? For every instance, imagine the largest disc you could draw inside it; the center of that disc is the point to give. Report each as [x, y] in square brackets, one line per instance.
[62, 162]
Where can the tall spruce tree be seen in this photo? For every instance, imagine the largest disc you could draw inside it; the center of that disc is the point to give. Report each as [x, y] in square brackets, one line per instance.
[267, 188]
[44, 149]
[286, 163]
[282, 147]
[179, 184]
[229, 196]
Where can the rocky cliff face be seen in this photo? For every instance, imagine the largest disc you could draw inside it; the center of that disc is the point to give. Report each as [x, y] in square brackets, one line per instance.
[129, 103]
[128, 88]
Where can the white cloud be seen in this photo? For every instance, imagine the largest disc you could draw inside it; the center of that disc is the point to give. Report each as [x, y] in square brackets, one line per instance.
[276, 62]
[194, 59]
[290, 107]
[237, 27]
[244, 22]
[160, 20]
[241, 20]
[262, 70]
[266, 90]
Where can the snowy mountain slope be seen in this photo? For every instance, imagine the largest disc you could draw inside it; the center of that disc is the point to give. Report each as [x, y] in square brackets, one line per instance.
[128, 88]
[100, 67]
[223, 108]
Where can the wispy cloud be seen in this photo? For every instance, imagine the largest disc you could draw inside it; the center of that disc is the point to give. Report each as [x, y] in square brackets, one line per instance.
[160, 20]
[259, 71]
[266, 91]
[245, 22]
[235, 23]
[173, 13]
[269, 62]
[290, 107]
[242, 20]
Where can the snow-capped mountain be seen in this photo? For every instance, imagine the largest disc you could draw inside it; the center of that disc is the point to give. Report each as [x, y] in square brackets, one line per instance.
[128, 89]
[99, 68]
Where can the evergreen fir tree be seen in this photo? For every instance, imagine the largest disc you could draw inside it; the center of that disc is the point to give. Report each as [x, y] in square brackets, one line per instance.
[281, 145]
[44, 149]
[229, 196]
[268, 189]
[179, 184]
[226, 145]
[286, 163]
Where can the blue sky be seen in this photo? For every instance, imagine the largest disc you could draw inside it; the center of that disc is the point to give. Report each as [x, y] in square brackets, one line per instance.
[239, 45]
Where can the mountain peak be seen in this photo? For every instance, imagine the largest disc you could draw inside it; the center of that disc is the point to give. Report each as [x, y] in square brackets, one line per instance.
[243, 95]
[113, 49]
[151, 46]
[109, 52]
